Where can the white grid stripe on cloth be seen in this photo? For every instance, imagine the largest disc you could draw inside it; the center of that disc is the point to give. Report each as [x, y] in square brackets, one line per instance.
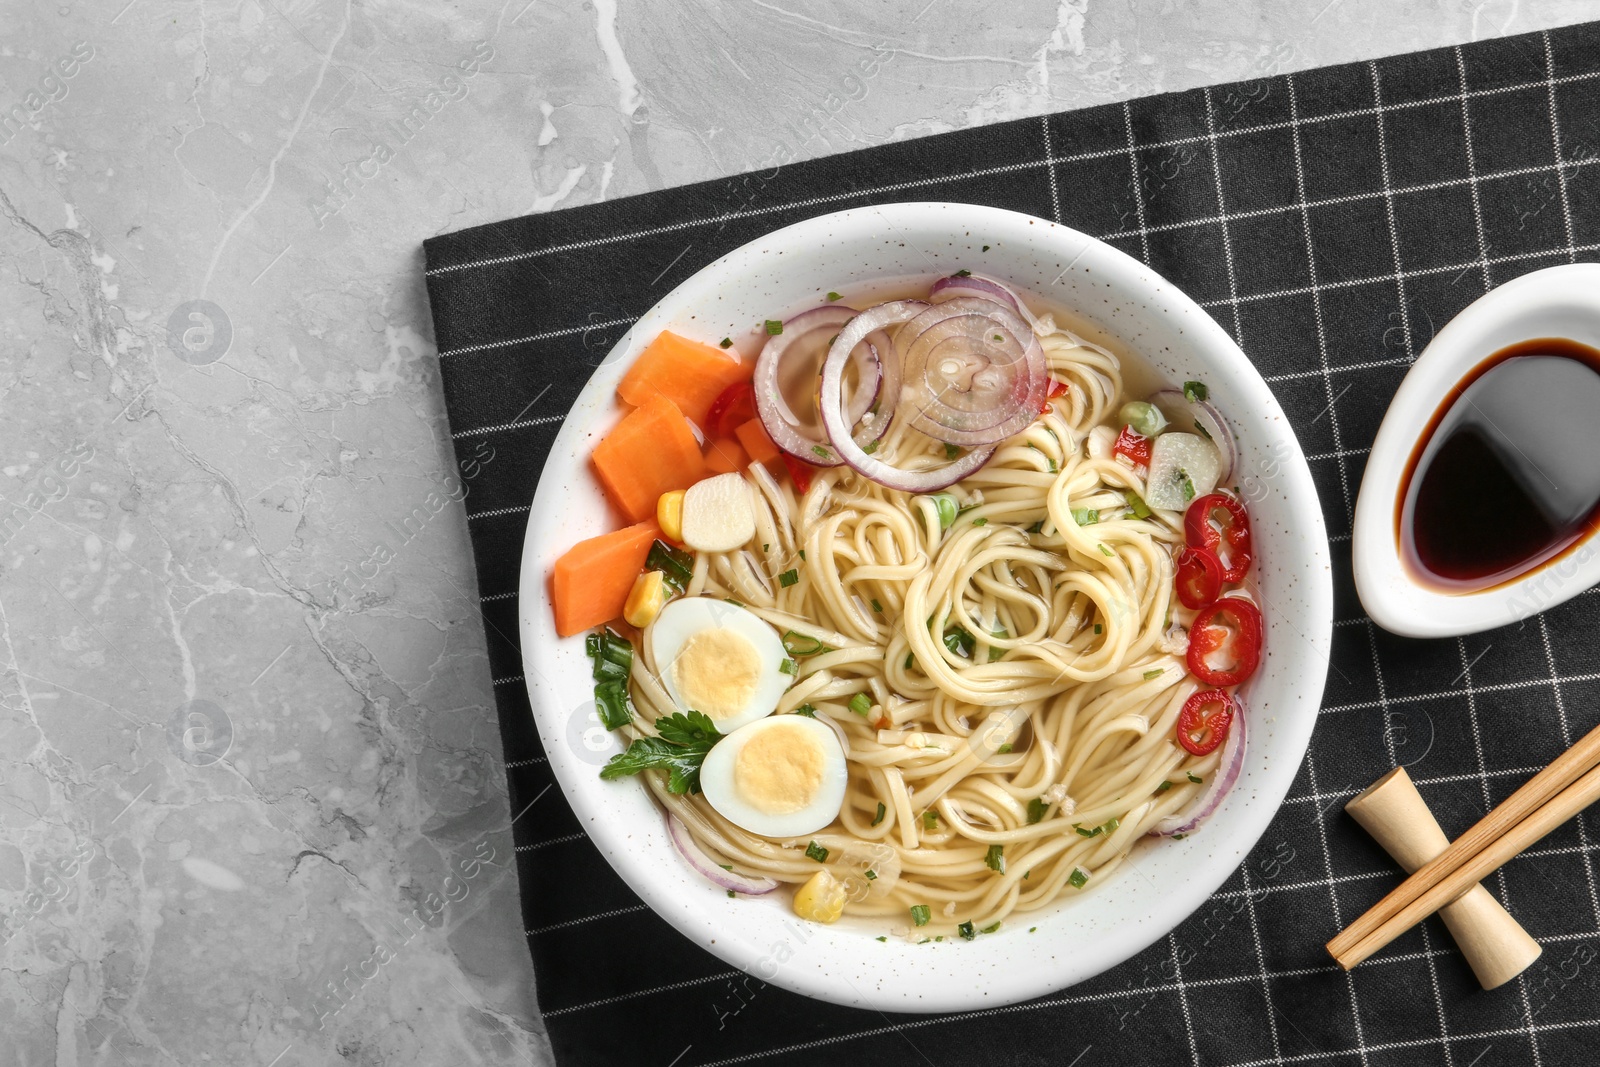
[1580, 820]
[1555, 137]
[1138, 182]
[1388, 209]
[1472, 170]
[1183, 999]
[1050, 169]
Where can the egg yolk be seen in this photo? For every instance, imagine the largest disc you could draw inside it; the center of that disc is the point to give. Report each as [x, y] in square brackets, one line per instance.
[779, 770]
[716, 672]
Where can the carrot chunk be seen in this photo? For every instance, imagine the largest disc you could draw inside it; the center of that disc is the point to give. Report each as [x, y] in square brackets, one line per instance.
[690, 374]
[590, 584]
[651, 451]
[725, 455]
[757, 442]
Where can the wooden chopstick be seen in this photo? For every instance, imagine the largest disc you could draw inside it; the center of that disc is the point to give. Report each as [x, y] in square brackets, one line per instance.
[1566, 804]
[1401, 909]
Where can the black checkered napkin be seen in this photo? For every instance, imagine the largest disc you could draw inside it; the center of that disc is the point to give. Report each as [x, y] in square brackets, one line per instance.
[1332, 221]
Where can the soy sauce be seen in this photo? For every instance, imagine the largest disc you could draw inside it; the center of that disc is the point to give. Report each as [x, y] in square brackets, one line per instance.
[1506, 475]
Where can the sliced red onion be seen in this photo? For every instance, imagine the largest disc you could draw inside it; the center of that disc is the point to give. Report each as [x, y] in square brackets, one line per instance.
[1198, 415]
[1222, 780]
[685, 843]
[802, 436]
[831, 406]
[988, 288]
[973, 372]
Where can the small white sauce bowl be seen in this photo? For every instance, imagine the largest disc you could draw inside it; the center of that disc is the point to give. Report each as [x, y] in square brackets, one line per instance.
[1560, 302]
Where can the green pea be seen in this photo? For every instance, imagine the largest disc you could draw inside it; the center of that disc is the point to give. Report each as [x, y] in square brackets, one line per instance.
[1143, 416]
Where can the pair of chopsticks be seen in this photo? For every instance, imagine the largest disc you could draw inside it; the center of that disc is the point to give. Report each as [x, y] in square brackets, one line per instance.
[1544, 802]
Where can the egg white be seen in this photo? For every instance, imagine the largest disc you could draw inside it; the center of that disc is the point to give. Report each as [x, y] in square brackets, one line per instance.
[722, 793]
[682, 619]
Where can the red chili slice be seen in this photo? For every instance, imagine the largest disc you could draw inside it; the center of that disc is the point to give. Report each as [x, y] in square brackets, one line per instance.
[799, 472]
[733, 407]
[1204, 722]
[1199, 577]
[1135, 446]
[1219, 521]
[1228, 630]
[1055, 389]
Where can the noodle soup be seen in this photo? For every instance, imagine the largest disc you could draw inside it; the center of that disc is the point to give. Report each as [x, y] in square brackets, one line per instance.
[936, 641]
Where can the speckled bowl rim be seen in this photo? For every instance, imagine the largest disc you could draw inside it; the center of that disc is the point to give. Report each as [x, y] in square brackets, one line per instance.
[1114, 299]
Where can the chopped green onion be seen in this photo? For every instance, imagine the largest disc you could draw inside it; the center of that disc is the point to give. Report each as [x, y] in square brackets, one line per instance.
[986, 248]
[611, 702]
[1187, 486]
[991, 928]
[730, 894]
[861, 704]
[930, 820]
[995, 858]
[801, 553]
[774, 327]
[1196, 392]
[872, 446]
[1140, 508]
[1037, 527]
[1036, 810]
[1195, 778]
[882, 811]
[959, 641]
[735, 603]
[872, 875]
[1145, 418]
[951, 451]
[823, 452]
[1078, 880]
[1104, 551]
[1085, 516]
[1086, 833]
[789, 667]
[1163, 787]
[677, 568]
[1111, 826]
[980, 521]
[876, 606]
[807, 710]
[1203, 431]
[996, 653]
[1158, 672]
[816, 852]
[832, 297]
[1005, 748]
[966, 931]
[1098, 629]
[788, 578]
[882, 938]
[726, 342]
[1179, 837]
[920, 914]
[911, 659]
[963, 274]
[797, 644]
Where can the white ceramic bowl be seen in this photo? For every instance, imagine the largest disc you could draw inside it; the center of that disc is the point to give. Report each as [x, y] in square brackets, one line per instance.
[1555, 302]
[1118, 302]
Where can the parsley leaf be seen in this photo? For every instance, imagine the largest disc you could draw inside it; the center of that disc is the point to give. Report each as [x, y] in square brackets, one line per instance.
[685, 739]
[995, 858]
[1036, 810]
[676, 567]
[966, 931]
[1196, 392]
[807, 710]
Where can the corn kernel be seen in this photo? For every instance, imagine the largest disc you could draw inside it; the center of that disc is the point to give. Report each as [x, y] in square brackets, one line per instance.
[820, 899]
[669, 515]
[646, 598]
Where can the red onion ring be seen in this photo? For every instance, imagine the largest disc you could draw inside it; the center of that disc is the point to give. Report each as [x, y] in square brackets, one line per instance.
[1228, 768]
[973, 371]
[1186, 415]
[831, 405]
[988, 288]
[792, 434]
[685, 843]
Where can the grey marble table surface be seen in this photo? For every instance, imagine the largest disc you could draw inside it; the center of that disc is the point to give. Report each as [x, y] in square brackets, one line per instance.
[252, 806]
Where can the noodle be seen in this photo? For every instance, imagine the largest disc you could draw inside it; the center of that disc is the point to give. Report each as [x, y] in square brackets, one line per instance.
[1066, 704]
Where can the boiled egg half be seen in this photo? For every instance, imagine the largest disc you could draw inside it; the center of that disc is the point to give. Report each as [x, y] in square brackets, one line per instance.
[717, 658]
[783, 776]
